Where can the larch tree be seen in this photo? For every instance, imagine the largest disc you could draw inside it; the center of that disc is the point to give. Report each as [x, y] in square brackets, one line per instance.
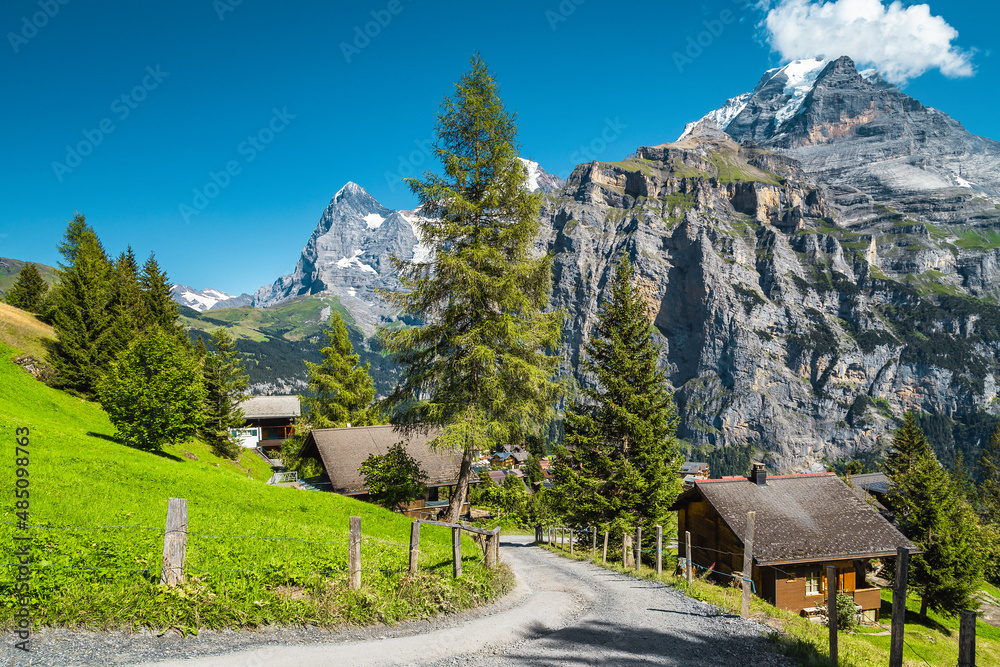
[226, 384]
[620, 461]
[478, 365]
[343, 390]
[29, 289]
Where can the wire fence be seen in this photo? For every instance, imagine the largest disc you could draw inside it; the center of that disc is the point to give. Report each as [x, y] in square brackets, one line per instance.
[379, 550]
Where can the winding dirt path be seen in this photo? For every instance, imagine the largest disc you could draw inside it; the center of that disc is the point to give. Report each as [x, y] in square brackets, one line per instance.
[562, 612]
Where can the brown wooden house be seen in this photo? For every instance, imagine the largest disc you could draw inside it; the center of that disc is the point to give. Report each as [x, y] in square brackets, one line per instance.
[341, 451]
[803, 523]
[269, 421]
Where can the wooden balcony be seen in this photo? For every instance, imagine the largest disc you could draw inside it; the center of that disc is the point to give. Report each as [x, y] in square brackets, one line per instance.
[868, 598]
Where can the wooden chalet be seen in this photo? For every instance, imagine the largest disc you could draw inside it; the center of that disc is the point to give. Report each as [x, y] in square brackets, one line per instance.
[268, 421]
[341, 451]
[803, 523]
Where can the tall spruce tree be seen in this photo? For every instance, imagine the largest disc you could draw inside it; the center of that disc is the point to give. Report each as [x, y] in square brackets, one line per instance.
[619, 466]
[160, 308]
[128, 316]
[29, 289]
[84, 346]
[344, 392]
[226, 385]
[933, 514]
[477, 365]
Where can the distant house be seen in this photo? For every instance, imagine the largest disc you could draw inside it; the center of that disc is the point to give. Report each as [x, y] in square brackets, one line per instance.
[509, 457]
[341, 451]
[803, 523]
[692, 470]
[269, 421]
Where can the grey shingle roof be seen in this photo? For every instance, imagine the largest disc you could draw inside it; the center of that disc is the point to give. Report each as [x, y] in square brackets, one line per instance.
[872, 482]
[266, 407]
[801, 518]
[343, 450]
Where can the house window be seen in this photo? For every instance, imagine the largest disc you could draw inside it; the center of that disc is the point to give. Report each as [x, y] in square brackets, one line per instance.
[812, 583]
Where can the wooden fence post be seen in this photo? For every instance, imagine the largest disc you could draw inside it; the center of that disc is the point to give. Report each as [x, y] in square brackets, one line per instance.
[562, 539]
[174, 542]
[638, 548]
[604, 559]
[456, 551]
[354, 553]
[687, 555]
[899, 607]
[496, 547]
[490, 551]
[570, 541]
[593, 540]
[414, 546]
[624, 549]
[967, 639]
[747, 565]
[659, 551]
[831, 610]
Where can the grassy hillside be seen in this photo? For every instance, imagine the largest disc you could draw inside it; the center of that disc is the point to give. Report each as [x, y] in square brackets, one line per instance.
[21, 330]
[276, 341]
[256, 554]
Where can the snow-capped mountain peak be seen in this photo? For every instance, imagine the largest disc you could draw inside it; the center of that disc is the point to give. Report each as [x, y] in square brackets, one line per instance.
[721, 116]
[797, 79]
[206, 299]
[539, 179]
[800, 78]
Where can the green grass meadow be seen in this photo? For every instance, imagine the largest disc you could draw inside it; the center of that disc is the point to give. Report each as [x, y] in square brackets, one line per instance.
[256, 554]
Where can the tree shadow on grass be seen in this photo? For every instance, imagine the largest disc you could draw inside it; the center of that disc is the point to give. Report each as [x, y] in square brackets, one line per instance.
[125, 443]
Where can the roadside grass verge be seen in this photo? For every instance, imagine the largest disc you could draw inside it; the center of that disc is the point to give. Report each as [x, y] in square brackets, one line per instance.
[934, 642]
[257, 554]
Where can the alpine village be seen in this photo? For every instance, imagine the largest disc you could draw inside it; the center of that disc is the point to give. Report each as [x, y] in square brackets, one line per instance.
[757, 365]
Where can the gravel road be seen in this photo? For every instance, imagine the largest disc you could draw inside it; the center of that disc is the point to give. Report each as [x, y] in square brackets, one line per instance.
[562, 612]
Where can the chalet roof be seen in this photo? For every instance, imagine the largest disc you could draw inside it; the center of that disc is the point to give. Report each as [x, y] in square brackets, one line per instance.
[694, 467]
[872, 482]
[800, 518]
[268, 407]
[343, 450]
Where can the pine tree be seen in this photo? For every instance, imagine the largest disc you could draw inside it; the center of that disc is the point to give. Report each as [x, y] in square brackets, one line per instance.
[153, 391]
[344, 392]
[477, 366]
[29, 289]
[619, 466]
[160, 308]
[84, 346]
[932, 513]
[226, 384]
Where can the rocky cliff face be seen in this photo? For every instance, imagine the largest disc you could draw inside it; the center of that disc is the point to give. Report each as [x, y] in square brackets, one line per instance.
[830, 271]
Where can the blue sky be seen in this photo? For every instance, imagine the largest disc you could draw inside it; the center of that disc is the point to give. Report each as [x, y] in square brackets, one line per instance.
[123, 110]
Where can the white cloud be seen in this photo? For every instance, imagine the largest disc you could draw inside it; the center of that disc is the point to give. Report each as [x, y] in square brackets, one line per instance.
[901, 42]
